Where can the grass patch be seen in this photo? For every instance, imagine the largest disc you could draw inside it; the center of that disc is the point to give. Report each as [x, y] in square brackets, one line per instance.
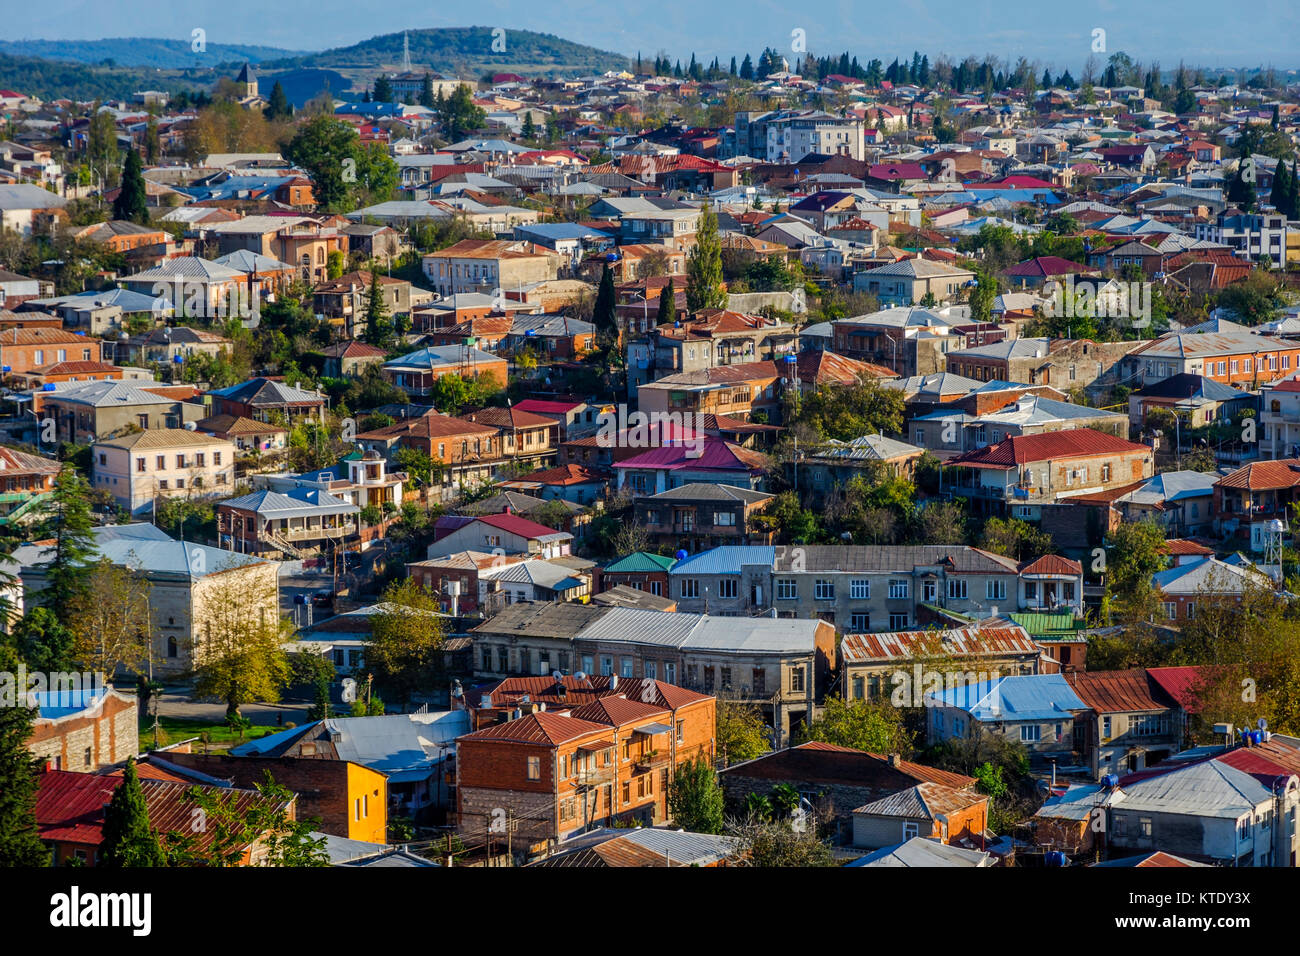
[172, 730]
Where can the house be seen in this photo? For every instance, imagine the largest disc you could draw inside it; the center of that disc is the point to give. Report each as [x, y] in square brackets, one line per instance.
[139, 468]
[469, 452]
[25, 208]
[1196, 400]
[896, 666]
[264, 399]
[700, 515]
[552, 774]
[924, 852]
[24, 350]
[1248, 500]
[911, 281]
[1279, 419]
[412, 751]
[1034, 272]
[644, 846]
[1181, 501]
[250, 438]
[752, 391]
[84, 728]
[351, 359]
[529, 441]
[1262, 235]
[571, 483]
[87, 411]
[504, 534]
[1134, 723]
[1205, 579]
[346, 797]
[288, 522]
[300, 241]
[455, 578]
[1019, 474]
[1063, 363]
[671, 466]
[191, 286]
[489, 266]
[70, 812]
[25, 481]
[122, 236]
[955, 430]
[345, 301]
[170, 345]
[416, 371]
[1040, 710]
[191, 588]
[832, 465]
[837, 779]
[928, 809]
[1224, 351]
[640, 570]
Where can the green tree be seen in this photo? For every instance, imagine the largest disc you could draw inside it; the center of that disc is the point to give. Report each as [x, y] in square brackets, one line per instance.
[667, 308]
[230, 828]
[342, 169]
[845, 412]
[383, 91]
[418, 465]
[379, 326]
[602, 315]
[695, 800]
[1135, 552]
[1015, 539]
[776, 844]
[528, 131]
[129, 841]
[132, 203]
[406, 638]
[66, 518]
[240, 653]
[42, 640]
[704, 285]
[876, 727]
[427, 99]
[741, 732]
[278, 104]
[459, 115]
[152, 142]
[20, 842]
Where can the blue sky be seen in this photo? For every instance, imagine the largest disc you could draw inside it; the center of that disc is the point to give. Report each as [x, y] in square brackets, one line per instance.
[1211, 34]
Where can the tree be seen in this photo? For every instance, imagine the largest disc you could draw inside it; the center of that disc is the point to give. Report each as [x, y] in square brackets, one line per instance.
[1136, 552]
[704, 285]
[528, 131]
[383, 91]
[602, 315]
[1015, 539]
[876, 727]
[379, 326]
[777, 844]
[66, 517]
[278, 104]
[941, 522]
[667, 308]
[240, 656]
[427, 99]
[229, 830]
[343, 170]
[418, 465]
[406, 638]
[845, 412]
[20, 842]
[132, 203]
[695, 801]
[741, 732]
[1241, 188]
[459, 115]
[152, 143]
[42, 640]
[110, 619]
[129, 841]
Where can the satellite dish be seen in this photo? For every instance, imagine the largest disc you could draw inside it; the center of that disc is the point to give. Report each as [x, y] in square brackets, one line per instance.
[557, 675]
[580, 675]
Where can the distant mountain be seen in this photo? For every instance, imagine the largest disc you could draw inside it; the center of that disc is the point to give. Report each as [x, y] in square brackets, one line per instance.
[56, 79]
[173, 54]
[467, 51]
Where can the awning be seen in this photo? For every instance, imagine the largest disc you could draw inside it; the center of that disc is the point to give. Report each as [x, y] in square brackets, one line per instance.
[651, 729]
[596, 747]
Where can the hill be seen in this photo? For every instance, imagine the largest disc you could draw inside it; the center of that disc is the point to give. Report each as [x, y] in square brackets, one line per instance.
[57, 79]
[172, 54]
[465, 51]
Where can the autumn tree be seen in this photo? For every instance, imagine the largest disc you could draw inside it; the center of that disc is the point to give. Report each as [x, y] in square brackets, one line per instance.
[876, 727]
[232, 826]
[742, 734]
[110, 619]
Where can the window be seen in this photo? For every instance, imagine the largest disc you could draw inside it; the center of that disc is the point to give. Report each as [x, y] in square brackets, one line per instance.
[859, 622]
[651, 670]
[824, 590]
[797, 680]
[1171, 610]
[216, 458]
[1031, 590]
[724, 519]
[681, 731]
[860, 589]
[1191, 610]
[139, 464]
[1144, 828]
[1030, 733]
[898, 589]
[857, 688]
[534, 768]
[996, 589]
[1243, 828]
[690, 587]
[786, 589]
[898, 622]
[161, 462]
[727, 588]
[88, 756]
[607, 666]
[628, 664]
[956, 590]
[1105, 727]
[910, 831]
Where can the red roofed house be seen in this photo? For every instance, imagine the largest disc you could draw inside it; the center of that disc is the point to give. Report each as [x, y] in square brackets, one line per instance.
[1248, 499]
[504, 534]
[573, 483]
[1132, 721]
[551, 774]
[1018, 475]
[1032, 273]
[710, 461]
[526, 438]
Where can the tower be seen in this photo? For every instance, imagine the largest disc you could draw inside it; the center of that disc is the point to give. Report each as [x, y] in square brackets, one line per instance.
[249, 79]
[406, 52]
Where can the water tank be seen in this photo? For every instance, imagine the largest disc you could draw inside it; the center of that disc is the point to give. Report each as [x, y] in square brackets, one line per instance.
[1256, 737]
[682, 555]
[1054, 858]
[1110, 781]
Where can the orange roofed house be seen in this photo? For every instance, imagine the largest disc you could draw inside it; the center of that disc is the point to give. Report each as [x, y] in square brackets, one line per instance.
[1020, 474]
[486, 265]
[578, 759]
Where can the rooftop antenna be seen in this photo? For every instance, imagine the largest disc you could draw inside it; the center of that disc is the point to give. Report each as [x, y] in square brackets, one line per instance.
[406, 52]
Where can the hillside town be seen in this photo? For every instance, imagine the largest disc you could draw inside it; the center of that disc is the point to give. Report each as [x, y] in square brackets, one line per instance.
[805, 459]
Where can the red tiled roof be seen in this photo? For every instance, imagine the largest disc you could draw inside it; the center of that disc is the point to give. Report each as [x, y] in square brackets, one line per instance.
[1052, 564]
[1284, 473]
[563, 475]
[1183, 546]
[517, 525]
[540, 407]
[1072, 443]
[540, 728]
[617, 710]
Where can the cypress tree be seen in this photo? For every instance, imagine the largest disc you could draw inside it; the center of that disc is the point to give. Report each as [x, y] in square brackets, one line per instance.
[1281, 194]
[379, 330]
[278, 105]
[529, 130]
[132, 203]
[20, 842]
[67, 515]
[704, 289]
[603, 313]
[667, 311]
[383, 90]
[128, 838]
[426, 92]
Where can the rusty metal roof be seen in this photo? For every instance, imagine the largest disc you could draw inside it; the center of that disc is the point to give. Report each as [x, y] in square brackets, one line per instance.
[990, 641]
[1117, 692]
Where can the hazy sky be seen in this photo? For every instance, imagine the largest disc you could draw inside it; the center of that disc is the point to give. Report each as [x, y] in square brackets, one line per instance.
[1201, 32]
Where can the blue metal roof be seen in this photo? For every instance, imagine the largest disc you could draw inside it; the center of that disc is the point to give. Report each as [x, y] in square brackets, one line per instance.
[1025, 697]
[728, 559]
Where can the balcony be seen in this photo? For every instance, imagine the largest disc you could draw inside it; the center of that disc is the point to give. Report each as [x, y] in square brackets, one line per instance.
[651, 761]
[594, 777]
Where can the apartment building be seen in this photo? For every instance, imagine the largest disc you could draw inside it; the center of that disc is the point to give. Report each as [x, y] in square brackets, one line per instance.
[578, 759]
[490, 266]
[1254, 236]
[1063, 363]
[140, 468]
[1229, 353]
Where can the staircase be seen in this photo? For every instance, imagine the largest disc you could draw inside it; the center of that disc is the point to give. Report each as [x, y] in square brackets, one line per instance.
[281, 544]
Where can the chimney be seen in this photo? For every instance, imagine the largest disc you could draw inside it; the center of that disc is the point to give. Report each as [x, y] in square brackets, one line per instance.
[895, 760]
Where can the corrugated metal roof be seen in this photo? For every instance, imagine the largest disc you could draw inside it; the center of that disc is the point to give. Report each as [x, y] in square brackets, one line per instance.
[924, 852]
[1115, 692]
[965, 642]
[925, 801]
[1023, 697]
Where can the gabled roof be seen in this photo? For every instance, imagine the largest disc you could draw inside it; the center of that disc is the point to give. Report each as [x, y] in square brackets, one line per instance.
[1050, 446]
[925, 801]
[1044, 697]
[1118, 692]
[1258, 475]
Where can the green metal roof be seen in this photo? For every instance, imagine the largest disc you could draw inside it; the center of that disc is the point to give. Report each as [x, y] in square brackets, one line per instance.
[642, 561]
[1050, 625]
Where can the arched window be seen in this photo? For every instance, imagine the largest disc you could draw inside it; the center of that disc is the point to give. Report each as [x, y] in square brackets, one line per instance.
[173, 650]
